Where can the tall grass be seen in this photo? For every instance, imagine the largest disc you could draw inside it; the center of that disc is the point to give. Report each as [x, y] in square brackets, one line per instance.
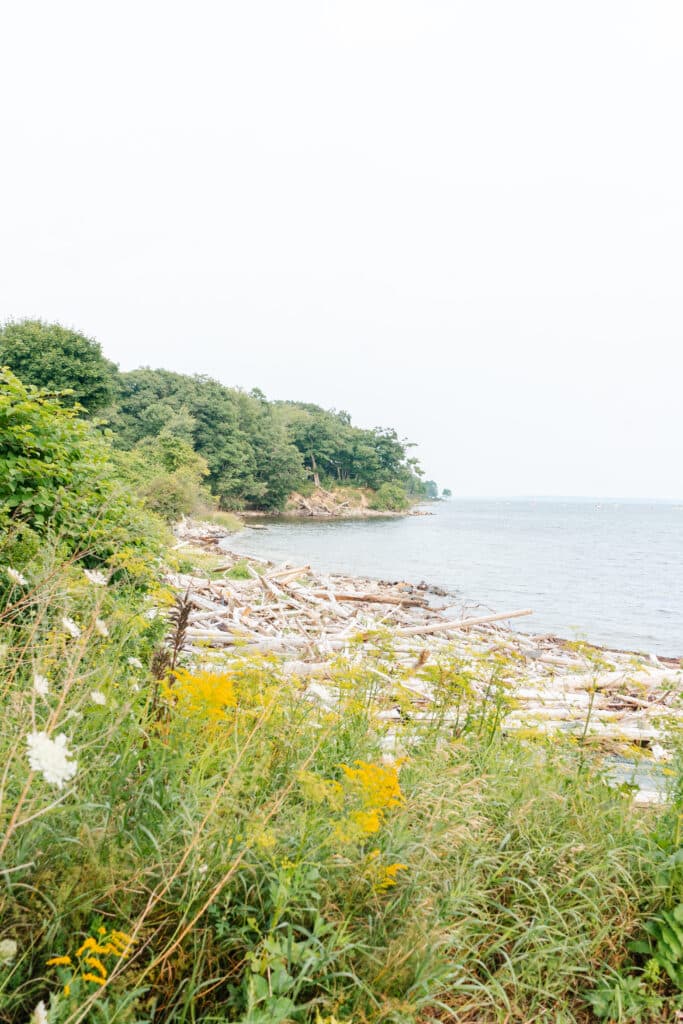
[229, 851]
[229, 520]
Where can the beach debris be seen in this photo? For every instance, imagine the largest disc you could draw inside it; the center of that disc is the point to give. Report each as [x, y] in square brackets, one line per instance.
[312, 623]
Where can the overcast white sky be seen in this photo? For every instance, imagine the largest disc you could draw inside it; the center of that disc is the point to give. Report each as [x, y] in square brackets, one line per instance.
[462, 219]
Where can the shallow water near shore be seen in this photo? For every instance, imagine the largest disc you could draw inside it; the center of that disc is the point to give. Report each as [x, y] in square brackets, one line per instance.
[606, 571]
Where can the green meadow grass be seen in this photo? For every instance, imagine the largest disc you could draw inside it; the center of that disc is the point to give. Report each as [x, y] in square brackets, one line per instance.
[226, 851]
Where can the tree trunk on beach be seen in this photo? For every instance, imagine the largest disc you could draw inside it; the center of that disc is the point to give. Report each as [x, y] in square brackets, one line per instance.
[314, 467]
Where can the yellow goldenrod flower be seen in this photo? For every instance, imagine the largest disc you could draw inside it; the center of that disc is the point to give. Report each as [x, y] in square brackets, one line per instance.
[94, 978]
[92, 961]
[59, 961]
[368, 822]
[122, 942]
[376, 785]
[89, 944]
[389, 875]
[265, 840]
[204, 694]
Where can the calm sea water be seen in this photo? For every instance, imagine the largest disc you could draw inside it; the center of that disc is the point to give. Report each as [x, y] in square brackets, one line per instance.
[610, 572]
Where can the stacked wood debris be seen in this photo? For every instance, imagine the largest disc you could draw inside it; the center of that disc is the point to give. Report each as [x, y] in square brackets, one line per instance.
[310, 621]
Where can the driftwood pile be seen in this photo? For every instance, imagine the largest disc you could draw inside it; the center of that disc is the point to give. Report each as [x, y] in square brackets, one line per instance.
[310, 621]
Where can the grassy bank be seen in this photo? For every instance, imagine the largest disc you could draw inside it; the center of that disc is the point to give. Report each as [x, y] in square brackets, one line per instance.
[189, 840]
[228, 520]
[221, 850]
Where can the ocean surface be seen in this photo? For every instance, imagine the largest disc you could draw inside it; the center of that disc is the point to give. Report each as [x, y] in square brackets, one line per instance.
[606, 571]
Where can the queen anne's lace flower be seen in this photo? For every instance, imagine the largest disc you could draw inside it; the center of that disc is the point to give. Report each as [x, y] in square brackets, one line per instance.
[41, 685]
[98, 578]
[51, 758]
[97, 697]
[101, 627]
[71, 627]
[39, 1015]
[135, 663]
[8, 950]
[16, 577]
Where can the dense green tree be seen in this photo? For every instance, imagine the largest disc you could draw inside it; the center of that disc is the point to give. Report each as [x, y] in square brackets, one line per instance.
[246, 447]
[57, 359]
[431, 489]
[334, 451]
[57, 478]
[256, 452]
[390, 498]
[446, 493]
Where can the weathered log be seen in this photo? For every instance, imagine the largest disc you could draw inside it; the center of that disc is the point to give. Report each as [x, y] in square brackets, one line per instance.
[406, 602]
[443, 627]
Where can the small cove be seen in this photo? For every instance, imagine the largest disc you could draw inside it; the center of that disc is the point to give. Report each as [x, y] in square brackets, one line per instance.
[605, 571]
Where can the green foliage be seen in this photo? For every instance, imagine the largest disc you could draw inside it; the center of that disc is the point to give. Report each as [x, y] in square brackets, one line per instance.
[168, 474]
[446, 493]
[486, 889]
[247, 451]
[264, 864]
[227, 519]
[239, 571]
[56, 478]
[334, 451]
[650, 980]
[57, 359]
[257, 453]
[390, 498]
[664, 944]
[431, 489]
[622, 999]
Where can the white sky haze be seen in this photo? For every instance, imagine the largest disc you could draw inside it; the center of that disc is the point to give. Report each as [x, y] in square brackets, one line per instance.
[461, 219]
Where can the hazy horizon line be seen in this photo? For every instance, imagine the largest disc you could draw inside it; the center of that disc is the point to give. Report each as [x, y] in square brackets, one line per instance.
[564, 497]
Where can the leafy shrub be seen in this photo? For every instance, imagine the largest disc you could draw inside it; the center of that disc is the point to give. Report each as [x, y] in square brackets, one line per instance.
[173, 495]
[239, 571]
[390, 498]
[56, 477]
[58, 360]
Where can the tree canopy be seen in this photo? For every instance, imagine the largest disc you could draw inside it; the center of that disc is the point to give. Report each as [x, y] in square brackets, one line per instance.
[252, 453]
[335, 451]
[57, 359]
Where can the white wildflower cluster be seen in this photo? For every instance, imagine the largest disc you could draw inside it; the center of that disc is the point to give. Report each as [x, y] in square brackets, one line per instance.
[41, 685]
[16, 577]
[71, 627]
[98, 578]
[135, 663]
[97, 697]
[8, 950]
[39, 1015]
[101, 628]
[51, 758]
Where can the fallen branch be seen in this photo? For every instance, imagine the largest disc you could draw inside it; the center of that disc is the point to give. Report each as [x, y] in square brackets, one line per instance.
[443, 627]
[406, 602]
